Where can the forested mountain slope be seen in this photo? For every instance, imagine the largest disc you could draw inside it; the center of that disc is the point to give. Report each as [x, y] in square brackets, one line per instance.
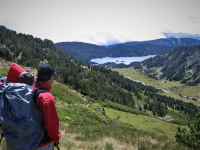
[141, 49]
[96, 82]
[31, 52]
[83, 51]
[179, 64]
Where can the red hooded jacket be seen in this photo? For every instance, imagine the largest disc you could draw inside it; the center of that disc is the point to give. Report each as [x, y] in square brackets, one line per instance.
[14, 72]
[46, 104]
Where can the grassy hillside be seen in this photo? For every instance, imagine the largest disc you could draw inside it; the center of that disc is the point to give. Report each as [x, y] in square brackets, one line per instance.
[84, 126]
[146, 123]
[176, 89]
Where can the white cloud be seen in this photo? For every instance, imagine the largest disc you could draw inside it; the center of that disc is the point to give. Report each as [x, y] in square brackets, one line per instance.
[102, 38]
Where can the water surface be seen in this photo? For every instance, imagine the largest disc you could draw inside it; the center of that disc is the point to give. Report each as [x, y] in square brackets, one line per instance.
[118, 60]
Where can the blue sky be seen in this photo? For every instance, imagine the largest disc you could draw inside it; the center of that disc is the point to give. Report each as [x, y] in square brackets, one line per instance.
[102, 22]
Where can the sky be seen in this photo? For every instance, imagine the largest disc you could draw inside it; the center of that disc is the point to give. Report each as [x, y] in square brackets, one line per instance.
[102, 22]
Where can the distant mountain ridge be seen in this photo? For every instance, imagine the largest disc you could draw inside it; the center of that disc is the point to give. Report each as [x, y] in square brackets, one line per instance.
[141, 49]
[86, 51]
[181, 35]
[167, 43]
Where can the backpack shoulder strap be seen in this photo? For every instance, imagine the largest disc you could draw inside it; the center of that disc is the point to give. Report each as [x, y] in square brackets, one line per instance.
[38, 91]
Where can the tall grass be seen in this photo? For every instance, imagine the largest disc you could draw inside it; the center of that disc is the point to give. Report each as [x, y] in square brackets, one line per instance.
[120, 136]
[145, 123]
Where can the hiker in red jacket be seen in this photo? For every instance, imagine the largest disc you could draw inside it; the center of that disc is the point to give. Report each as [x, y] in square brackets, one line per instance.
[17, 74]
[46, 104]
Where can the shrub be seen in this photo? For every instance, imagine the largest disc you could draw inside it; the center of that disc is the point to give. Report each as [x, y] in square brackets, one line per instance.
[191, 138]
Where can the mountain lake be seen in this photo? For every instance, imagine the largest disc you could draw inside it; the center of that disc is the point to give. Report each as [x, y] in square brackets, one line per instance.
[118, 60]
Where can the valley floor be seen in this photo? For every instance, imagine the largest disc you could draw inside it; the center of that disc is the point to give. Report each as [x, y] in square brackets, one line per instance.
[174, 89]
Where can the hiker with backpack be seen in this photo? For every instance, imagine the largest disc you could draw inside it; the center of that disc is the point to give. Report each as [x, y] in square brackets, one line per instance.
[25, 124]
[15, 73]
[21, 120]
[46, 103]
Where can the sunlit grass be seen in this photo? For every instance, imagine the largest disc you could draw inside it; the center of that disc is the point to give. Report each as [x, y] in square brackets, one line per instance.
[144, 122]
[116, 137]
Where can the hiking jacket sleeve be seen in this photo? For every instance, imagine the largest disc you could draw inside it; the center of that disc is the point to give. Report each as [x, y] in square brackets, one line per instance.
[46, 104]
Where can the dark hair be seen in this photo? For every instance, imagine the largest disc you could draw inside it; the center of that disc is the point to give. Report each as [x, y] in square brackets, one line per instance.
[27, 78]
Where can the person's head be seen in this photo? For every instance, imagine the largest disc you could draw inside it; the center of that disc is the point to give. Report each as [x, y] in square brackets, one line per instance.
[27, 78]
[46, 73]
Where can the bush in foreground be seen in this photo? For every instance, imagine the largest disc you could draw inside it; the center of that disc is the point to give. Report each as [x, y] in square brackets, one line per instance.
[191, 138]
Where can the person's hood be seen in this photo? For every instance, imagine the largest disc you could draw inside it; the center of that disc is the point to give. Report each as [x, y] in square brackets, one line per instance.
[14, 72]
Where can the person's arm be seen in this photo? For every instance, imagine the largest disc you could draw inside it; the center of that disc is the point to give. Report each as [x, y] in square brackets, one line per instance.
[51, 120]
